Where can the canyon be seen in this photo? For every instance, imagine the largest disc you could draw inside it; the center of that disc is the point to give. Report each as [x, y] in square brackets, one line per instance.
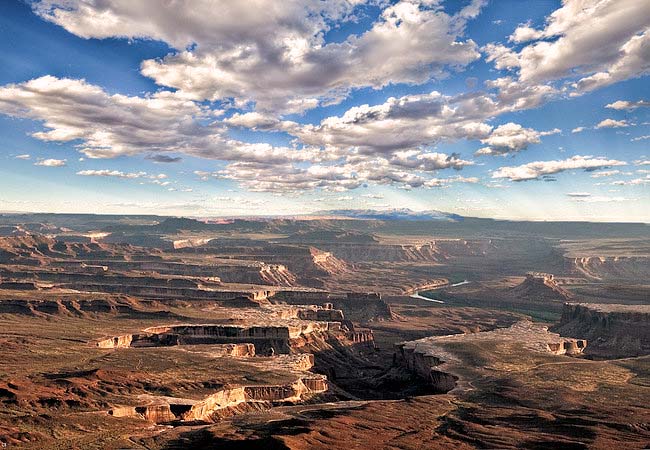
[162, 333]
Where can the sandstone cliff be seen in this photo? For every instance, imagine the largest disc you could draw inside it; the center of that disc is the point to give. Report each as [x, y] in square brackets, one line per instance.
[613, 330]
[437, 358]
[224, 402]
[610, 267]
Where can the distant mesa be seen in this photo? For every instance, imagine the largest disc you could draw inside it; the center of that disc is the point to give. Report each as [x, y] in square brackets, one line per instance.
[541, 286]
[175, 224]
[391, 214]
[333, 236]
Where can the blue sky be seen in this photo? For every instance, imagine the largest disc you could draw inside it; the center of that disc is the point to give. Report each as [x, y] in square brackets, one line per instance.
[506, 109]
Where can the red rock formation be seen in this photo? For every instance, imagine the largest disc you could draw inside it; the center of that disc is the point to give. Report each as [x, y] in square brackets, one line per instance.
[170, 409]
[433, 358]
[610, 267]
[613, 330]
[540, 287]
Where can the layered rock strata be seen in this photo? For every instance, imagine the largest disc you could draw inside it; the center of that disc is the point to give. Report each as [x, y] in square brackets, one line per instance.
[542, 287]
[226, 401]
[430, 359]
[613, 330]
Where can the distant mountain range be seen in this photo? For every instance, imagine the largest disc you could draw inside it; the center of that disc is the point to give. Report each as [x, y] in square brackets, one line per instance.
[391, 214]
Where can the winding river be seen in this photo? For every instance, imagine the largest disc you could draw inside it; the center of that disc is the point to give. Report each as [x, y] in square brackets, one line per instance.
[420, 297]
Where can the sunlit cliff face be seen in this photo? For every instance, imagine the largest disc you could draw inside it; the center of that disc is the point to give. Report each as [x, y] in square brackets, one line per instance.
[218, 108]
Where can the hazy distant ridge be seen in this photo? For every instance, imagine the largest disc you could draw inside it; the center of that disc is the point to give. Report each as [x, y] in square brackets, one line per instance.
[392, 214]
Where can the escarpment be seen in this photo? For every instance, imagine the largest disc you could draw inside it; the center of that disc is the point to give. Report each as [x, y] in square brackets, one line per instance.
[277, 275]
[265, 339]
[441, 359]
[279, 339]
[426, 363]
[228, 271]
[36, 249]
[389, 253]
[44, 303]
[610, 267]
[175, 288]
[225, 402]
[431, 251]
[363, 307]
[613, 330]
[357, 306]
[308, 261]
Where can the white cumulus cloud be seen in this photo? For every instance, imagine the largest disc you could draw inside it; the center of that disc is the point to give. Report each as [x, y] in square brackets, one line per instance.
[627, 105]
[612, 123]
[598, 41]
[278, 58]
[51, 162]
[537, 169]
[511, 138]
[120, 174]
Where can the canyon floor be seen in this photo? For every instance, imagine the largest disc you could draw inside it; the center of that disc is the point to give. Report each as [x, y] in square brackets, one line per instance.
[146, 332]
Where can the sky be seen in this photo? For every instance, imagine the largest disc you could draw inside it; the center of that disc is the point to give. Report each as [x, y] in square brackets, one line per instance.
[505, 109]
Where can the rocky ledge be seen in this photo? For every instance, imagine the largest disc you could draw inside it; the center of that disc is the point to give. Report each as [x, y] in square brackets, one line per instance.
[431, 358]
[614, 330]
